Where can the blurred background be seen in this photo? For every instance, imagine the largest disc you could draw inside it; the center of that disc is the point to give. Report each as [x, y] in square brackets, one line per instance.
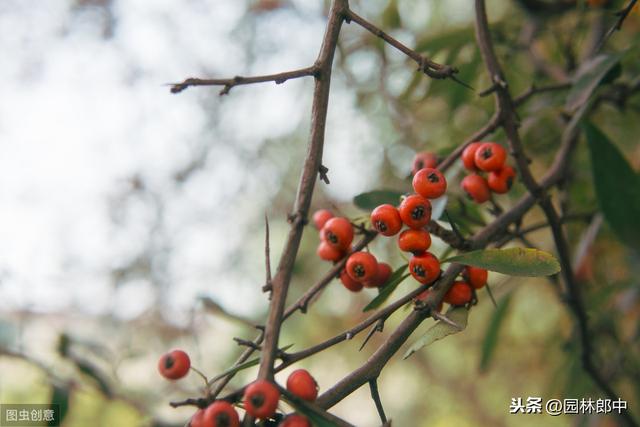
[132, 220]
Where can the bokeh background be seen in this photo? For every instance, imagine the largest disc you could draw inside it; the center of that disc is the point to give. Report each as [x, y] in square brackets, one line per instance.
[132, 220]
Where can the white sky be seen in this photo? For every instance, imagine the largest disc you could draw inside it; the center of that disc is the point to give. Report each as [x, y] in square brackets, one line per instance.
[81, 115]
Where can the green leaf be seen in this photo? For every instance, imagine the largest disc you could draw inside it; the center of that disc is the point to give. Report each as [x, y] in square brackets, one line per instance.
[512, 261]
[617, 186]
[60, 397]
[391, 16]
[372, 199]
[441, 329]
[396, 278]
[491, 337]
[589, 77]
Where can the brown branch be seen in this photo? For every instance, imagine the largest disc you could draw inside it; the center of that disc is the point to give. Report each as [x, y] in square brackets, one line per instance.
[425, 65]
[375, 395]
[267, 256]
[382, 314]
[506, 109]
[228, 84]
[453, 239]
[308, 177]
[534, 90]
[374, 365]
[622, 15]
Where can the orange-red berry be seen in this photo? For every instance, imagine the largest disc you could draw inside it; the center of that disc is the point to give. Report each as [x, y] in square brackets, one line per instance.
[468, 156]
[500, 181]
[384, 272]
[320, 218]
[295, 420]
[414, 241]
[423, 160]
[429, 183]
[386, 219]
[221, 414]
[459, 294]
[329, 253]
[302, 384]
[476, 276]
[490, 156]
[338, 232]
[261, 399]
[476, 188]
[197, 419]
[425, 267]
[349, 283]
[362, 266]
[174, 365]
[415, 211]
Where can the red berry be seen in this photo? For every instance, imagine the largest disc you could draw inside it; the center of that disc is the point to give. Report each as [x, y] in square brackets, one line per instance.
[295, 420]
[320, 218]
[329, 253]
[349, 283]
[174, 365]
[384, 272]
[302, 384]
[424, 160]
[197, 419]
[386, 219]
[415, 211]
[423, 296]
[490, 156]
[414, 241]
[500, 181]
[261, 399]
[338, 232]
[476, 276]
[362, 266]
[459, 294]
[468, 156]
[476, 188]
[429, 183]
[221, 414]
[425, 267]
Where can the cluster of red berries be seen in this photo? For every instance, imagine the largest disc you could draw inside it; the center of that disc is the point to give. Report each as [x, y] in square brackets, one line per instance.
[260, 398]
[487, 157]
[362, 268]
[415, 213]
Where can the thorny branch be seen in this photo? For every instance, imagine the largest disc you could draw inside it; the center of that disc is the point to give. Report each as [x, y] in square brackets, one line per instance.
[506, 109]
[505, 116]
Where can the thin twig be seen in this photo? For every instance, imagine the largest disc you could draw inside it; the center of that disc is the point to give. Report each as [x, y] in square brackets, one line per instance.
[617, 26]
[228, 84]
[375, 395]
[308, 177]
[267, 256]
[425, 65]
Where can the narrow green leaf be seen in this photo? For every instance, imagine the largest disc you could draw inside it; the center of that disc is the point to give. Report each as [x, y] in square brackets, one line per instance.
[59, 397]
[396, 278]
[390, 16]
[511, 261]
[372, 199]
[589, 77]
[441, 329]
[491, 337]
[617, 186]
